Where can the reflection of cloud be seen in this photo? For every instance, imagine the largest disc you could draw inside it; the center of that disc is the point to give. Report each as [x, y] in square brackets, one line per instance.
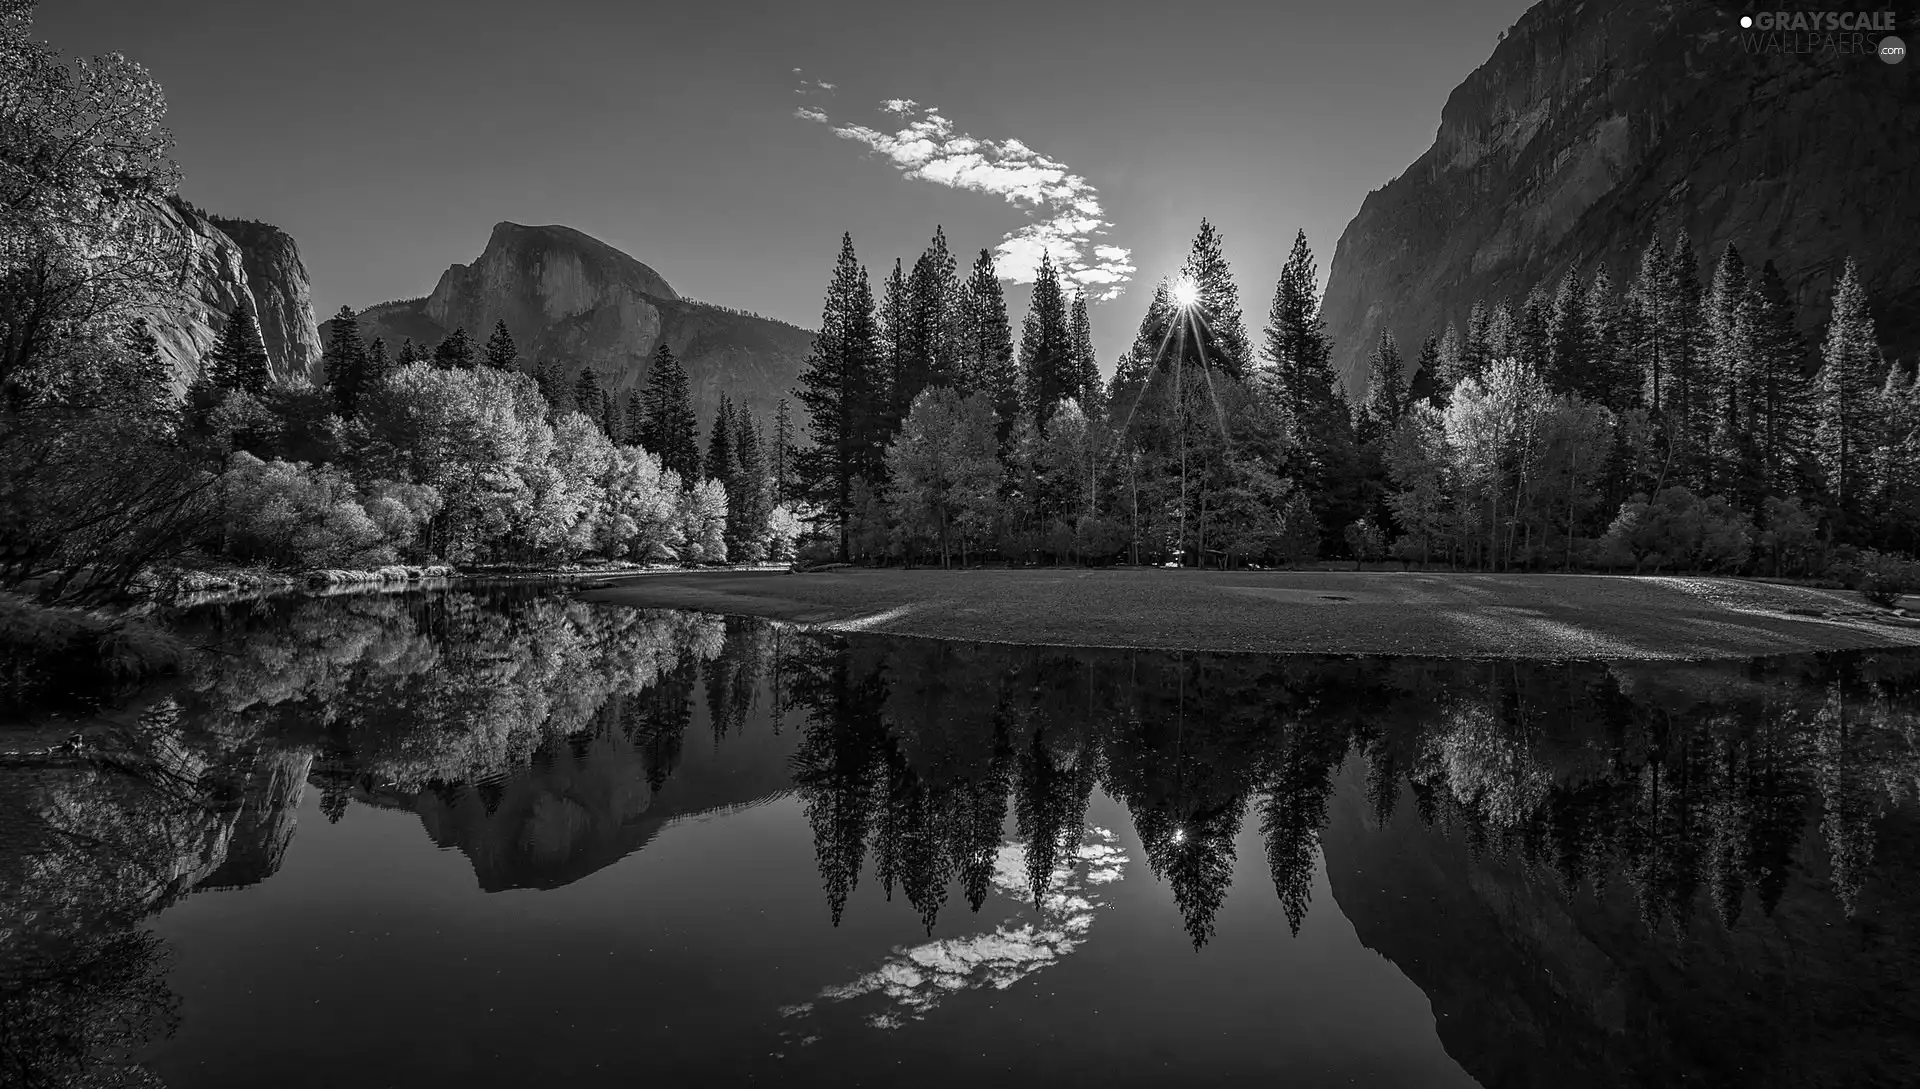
[1065, 207]
[915, 979]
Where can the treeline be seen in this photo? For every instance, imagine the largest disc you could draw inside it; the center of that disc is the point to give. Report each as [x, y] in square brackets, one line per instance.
[1669, 425]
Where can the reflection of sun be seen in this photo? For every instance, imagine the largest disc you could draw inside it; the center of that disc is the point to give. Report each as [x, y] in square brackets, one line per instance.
[1185, 292]
[1179, 835]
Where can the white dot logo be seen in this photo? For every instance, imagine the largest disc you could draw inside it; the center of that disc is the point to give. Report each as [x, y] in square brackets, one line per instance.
[1746, 22]
[1892, 50]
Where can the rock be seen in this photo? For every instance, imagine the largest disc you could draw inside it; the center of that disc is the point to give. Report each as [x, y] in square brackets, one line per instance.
[573, 300]
[265, 264]
[1592, 128]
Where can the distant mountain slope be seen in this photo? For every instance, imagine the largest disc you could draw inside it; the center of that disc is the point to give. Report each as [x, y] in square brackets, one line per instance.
[225, 257]
[571, 299]
[1595, 125]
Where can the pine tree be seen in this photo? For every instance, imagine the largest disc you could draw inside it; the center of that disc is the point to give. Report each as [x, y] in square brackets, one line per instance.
[986, 360]
[586, 394]
[1648, 335]
[1845, 392]
[550, 379]
[1531, 326]
[1297, 350]
[1218, 332]
[1615, 383]
[633, 433]
[843, 395]
[1732, 467]
[1569, 363]
[345, 362]
[897, 339]
[1386, 399]
[145, 381]
[238, 361]
[1501, 340]
[1452, 365]
[609, 418]
[750, 499]
[721, 463]
[378, 365]
[1690, 407]
[1425, 384]
[1085, 364]
[928, 340]
[501, 351]
[780, 461]
[1475, 354]
[672, 432]
[1046, 347]
[1783, 399]
[455, 352]
[409, 353]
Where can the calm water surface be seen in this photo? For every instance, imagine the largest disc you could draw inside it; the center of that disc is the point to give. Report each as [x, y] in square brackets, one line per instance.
[506, 838]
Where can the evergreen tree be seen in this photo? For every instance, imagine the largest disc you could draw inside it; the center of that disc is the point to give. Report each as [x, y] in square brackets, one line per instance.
[1085, 363]
[1386, 390]
[1501, 340]
[378, 365]
[1452, 362]
[609, 418]
[1046, 347]
[721, 463]
[345, 361]
[501, 351]
[1690, 407]
[780, 460]
[550, 379]
[896, 337]
[1783, 399]
[986, 361]
[1569, 363]
[586, 394]
[1475, 354]
[1648, 336]
[409, 353]
[1845, 395]
[144, 380]
[844, 397]
[1297, 349]
[238, 360]
[635, 429]
[929, 338]
[1218, 332]
[672, 432]
[750, 500]
[1425, 384]
[1531, 327]
[455, 352]
[1614, 382]
[1732, 458]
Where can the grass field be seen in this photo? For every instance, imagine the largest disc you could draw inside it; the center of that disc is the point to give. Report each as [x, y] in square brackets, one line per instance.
[1319, 612]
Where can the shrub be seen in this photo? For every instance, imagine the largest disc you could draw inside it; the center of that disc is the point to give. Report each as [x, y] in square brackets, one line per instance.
[1883, 578]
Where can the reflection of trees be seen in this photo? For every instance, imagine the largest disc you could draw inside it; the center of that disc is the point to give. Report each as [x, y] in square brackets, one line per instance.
[1690, 782]
[77, 1013]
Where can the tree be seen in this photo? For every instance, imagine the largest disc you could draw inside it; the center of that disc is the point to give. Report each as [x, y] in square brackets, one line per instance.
[1783, 400]
[586, 394]
[843, 395]
[455, 352]
[1452, 362]
[501, 351]
[672, 432]
[780, 458]
[1569, 357]
[238, 361]
[144, 385]
[928, 343]
[986, 361]
[1844, 396]
[1086, 363]
[1297, 349]
[1425, 384]
[895, 335]
[1732, 457]
[750, 500]
[1218, 336]
[1386, 390]
[945, 468]
[345, 360]
[609, 418]
[635, 429]
[721, 460]
[379, 365]
[86, 242]
[1046, 347]
[409, 353]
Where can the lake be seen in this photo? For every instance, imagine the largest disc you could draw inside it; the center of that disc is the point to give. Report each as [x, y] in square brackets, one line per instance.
[498, 836]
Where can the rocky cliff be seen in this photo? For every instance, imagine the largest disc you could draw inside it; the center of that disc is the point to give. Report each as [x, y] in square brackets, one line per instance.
[573, 300]
[224, 258]
[1593, 127]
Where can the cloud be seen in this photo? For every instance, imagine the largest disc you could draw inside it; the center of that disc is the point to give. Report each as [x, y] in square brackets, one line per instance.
[1065, 217]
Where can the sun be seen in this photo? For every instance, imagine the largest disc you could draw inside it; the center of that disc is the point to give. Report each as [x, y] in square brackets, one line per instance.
[1185, 292]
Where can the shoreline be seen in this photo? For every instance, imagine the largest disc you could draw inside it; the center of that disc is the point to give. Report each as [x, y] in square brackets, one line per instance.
[1541, 617]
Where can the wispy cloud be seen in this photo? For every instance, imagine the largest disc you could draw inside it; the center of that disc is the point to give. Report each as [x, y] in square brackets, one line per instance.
[1063, 208]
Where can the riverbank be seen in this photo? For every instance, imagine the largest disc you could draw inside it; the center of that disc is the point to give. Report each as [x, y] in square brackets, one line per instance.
[1451, 615]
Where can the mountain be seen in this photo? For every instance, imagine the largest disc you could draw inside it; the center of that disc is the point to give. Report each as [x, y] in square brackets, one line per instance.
[225, 258]
[1595, 126]
[573, 300]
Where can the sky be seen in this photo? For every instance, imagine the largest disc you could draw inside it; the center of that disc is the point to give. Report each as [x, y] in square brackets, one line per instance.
[728, 145]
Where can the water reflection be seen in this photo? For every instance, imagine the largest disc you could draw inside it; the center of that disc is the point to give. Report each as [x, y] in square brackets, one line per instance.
[1602, 873]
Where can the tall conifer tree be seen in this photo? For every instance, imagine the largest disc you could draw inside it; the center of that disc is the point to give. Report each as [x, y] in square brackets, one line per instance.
[455, 352]
[1046, 347]
[238, 361]
[1218, 333]
[721, 460]
[1386, 399]
[586, 394]
[1845, 392]
[1086, 364]
[501, 351]
[345, 361]
[986, 360]
[672, 431]
[844, 397]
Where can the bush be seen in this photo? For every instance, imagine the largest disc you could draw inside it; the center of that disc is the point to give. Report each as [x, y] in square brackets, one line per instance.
[61, 651]
[1679, 530]
[1882, 578]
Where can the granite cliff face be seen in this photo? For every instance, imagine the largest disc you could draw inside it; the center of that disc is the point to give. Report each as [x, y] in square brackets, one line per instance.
[1593, 127]
[573, 300]
[223, 259]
